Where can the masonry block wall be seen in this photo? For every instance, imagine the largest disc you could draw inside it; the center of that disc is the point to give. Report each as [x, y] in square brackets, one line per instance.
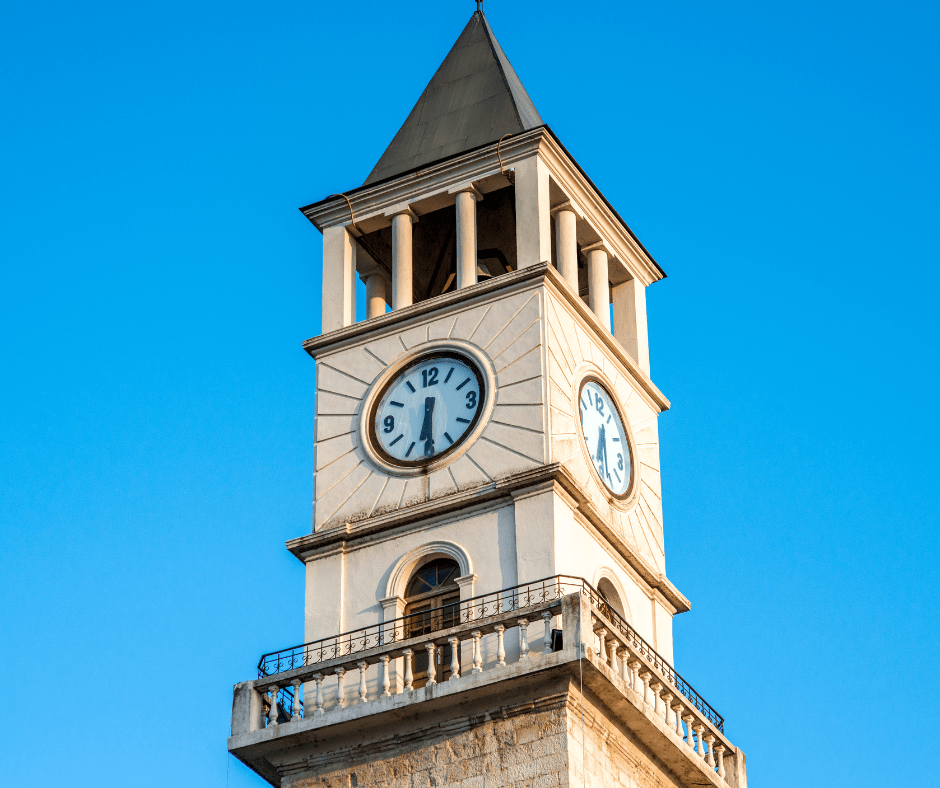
[536, 744]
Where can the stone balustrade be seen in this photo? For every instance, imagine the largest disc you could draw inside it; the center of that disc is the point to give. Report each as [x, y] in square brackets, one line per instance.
[490, 635]
[660, 690]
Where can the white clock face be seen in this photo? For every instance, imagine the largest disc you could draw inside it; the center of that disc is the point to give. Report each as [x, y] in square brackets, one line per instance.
[427, 409]
[605, 438]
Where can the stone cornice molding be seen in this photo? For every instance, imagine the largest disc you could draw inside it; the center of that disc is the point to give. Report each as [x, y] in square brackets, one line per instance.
[482, 168]
[312, 545]
[539, 274]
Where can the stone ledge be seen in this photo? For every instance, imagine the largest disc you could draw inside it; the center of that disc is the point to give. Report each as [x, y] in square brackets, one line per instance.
[497, 689]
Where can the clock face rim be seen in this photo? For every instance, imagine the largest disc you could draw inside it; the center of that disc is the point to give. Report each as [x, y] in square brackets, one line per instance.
[394, 374]
[624, 497]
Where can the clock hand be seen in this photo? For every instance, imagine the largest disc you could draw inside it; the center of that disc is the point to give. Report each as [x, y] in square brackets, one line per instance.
[602, 449]
[426, 433]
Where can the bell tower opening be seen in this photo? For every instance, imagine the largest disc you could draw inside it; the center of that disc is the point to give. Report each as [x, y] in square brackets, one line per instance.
[435, 256]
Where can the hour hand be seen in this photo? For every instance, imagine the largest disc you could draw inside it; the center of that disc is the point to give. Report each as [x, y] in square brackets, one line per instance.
[426, 434]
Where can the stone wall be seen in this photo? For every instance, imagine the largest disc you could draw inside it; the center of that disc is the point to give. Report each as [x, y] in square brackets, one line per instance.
[603, 752]
[515, 747]
[532, 745]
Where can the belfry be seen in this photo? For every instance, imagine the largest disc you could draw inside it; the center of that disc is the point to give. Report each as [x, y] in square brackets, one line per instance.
[486, 593]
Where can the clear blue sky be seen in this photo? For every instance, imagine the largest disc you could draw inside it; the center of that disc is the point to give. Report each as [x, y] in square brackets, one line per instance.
[779, 160]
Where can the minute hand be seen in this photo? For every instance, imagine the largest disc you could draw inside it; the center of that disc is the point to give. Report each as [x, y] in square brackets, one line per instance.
[426, 434]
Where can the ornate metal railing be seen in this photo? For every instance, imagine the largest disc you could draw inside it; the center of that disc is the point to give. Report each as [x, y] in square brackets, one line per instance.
[477, 610]
[399, 629]
[645, 650]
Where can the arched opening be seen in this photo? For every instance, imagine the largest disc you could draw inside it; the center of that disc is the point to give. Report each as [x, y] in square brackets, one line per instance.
[432, 603]
[607, 590]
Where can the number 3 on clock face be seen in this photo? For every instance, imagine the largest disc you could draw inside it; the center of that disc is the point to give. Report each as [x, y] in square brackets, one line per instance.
[427, 410]
[605, 438]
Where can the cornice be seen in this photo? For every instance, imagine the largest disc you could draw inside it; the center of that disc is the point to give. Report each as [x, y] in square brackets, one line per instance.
[369, 203]
[543, 273]
[399, 319]
[314, 545]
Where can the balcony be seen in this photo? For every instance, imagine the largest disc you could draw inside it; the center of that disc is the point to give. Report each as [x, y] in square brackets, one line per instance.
[304, 691]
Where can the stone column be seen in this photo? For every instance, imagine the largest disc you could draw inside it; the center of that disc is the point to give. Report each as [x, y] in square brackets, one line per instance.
[598, 282]
[466, 206]
[339, 279]
[402, 290]
[533, 217]
[376, 294]
[630, 321]
[566, 243]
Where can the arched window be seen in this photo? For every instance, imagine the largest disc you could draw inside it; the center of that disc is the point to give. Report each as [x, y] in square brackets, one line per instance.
[606, 589]
[432, 602]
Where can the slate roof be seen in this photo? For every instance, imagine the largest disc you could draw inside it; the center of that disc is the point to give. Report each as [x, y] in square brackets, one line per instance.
[473, 99]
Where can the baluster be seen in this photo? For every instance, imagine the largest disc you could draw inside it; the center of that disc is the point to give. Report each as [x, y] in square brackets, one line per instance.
[272, 710]
[547, 645]
[386, 678]
[710, 741]
[454, 659]
[699, 730]
[645, 677]
[362, 680]
[689, 739]
[409, 676]
[477, 652]
[295, 710]
[634, 667]
[678, 709]
[720, 752]
[500, 645]
[667, 702]
[432, 668]
[656, 687]
[523, 638]
[340, 691]
[613, 648]
[601, 649]
[318, 678]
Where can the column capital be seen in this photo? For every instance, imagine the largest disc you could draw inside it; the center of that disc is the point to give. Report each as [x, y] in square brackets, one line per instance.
[466, 583]
[598, 246]
[568, 205]
[469, 188]
[402, 209]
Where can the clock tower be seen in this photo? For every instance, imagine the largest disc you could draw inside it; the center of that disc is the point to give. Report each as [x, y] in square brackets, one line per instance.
[486, 592]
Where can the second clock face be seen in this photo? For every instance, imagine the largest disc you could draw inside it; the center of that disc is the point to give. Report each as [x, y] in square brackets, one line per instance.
[427, 409]
[605, 438]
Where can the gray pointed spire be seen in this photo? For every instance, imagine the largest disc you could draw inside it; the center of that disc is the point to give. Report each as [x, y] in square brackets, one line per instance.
[474, 99]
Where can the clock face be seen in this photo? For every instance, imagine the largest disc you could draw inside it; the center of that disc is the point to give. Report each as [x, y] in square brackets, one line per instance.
[427, 409]
[605, 438]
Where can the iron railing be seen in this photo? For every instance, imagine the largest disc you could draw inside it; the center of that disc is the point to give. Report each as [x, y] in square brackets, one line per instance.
[646, 651]
[389, 632]
[474, 610]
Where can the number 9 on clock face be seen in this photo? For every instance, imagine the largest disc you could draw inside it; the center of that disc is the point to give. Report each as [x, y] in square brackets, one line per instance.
[605, 438]
[427, 410]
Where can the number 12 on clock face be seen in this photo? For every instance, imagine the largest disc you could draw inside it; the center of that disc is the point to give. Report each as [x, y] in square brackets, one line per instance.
[427, 409]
